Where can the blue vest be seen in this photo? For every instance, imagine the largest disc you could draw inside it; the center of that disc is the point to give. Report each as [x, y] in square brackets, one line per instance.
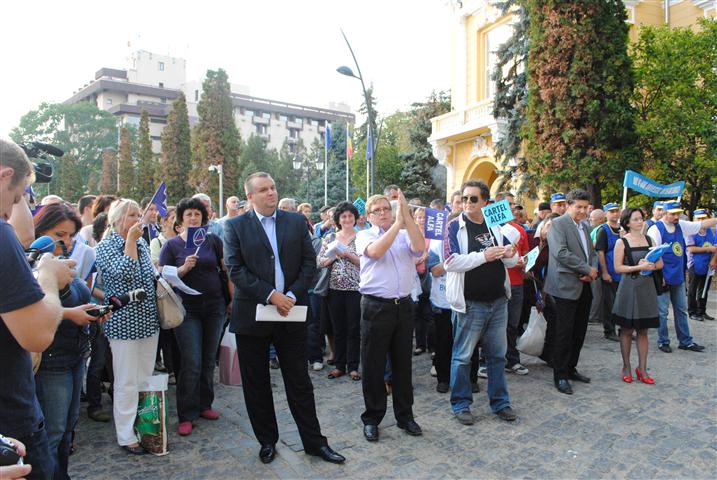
[701, 261]
[610, 252]
[650, 222]
[674, 258]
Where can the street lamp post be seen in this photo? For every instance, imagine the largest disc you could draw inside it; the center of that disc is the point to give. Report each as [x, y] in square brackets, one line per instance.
[219, 168]
[370, 166]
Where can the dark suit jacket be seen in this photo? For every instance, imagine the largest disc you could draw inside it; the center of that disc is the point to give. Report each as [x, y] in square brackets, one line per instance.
[250, 260]
[567, 258]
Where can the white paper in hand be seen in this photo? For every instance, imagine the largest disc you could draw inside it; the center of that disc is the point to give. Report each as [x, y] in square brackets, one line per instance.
[269, 313]
[333, 248]
[169, 273]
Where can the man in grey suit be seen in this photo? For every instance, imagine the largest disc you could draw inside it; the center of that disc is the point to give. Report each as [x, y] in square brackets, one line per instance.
[571, 268]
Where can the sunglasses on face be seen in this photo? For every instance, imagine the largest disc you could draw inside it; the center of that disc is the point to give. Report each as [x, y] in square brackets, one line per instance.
[472, 199]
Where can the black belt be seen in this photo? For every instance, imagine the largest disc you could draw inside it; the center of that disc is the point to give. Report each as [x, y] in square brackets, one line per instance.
[395, 301]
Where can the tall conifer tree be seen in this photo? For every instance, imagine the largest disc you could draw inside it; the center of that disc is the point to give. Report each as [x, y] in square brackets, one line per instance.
[145, 159]
[126, 165]
[176, 160]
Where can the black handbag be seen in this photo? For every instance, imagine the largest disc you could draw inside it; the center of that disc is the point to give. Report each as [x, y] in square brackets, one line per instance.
[223, 276]
[322, 283]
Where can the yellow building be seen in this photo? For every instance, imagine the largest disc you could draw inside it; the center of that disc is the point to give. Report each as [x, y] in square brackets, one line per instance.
[463, 139]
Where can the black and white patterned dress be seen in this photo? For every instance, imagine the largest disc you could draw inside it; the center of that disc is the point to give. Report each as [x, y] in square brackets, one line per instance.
[122, 274]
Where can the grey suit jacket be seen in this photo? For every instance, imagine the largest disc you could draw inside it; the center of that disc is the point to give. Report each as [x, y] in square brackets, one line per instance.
[567, 260]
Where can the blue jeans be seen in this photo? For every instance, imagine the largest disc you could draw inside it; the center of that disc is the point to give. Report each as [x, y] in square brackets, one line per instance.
[198, 339]
[58, 391]
[678, 297]
[38, 454]
[483, 322]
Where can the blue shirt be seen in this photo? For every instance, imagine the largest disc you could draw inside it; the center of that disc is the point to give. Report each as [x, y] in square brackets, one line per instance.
[269, 226]
[20, 413]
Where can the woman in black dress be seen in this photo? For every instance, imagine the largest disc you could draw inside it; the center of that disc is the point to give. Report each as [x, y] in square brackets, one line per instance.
[635, 306]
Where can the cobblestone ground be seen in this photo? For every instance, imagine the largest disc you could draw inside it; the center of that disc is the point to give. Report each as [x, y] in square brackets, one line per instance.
[607, 429]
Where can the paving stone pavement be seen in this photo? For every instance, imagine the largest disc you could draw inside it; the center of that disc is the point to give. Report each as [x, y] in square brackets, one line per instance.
[607, 429]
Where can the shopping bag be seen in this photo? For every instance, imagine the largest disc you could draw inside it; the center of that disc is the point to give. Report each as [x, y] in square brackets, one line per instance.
[229, 360]
[533, 339]
[151, 422]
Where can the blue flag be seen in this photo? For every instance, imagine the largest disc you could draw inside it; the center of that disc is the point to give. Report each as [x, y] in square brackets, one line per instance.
[497, 213]
[196, 236]
[435, 222]
[369, 146]
[152, 231]
[328, 136]
[651, 188]
[160, 199]
[360, 206]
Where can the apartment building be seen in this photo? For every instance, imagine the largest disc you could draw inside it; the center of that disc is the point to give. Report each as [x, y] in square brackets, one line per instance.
[152, 82]
[463, 139]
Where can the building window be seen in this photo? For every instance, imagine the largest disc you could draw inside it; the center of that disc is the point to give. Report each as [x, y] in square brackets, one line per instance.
[266, 115]
[161, 66]
[292, 147]
[108, 101]
[248, 113]
[293, 133]
[196, 95]
[164, 100]
[161, 84]
[283, 118]
[261, 129]
[493, 40]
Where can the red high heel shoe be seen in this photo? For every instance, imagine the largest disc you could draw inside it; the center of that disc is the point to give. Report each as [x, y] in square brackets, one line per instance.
[647, 380]
[627, 378]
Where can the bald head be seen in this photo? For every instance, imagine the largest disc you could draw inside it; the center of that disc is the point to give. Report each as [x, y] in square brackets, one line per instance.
[597, 217]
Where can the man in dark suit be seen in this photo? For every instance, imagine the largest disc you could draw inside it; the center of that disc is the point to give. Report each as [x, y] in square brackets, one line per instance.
[571, 268]
[271, 261]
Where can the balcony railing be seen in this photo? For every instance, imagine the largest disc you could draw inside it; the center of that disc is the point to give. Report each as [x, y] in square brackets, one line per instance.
[476, 115]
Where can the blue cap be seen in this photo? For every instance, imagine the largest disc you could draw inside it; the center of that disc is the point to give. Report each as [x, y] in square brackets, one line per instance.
[557, 197]
[672, 207]
[658, 204]
[700, 213]
[611, 206]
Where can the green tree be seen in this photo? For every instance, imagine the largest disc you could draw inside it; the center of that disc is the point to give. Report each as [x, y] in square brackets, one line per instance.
[126, 165]
[217, 140]
[511, 101]
[255, 157]
[69, 178]
[176, 160]
[581, 122]
[80, 129]
[108, 182]
[421, 176]
[145, 186]
[676, 107]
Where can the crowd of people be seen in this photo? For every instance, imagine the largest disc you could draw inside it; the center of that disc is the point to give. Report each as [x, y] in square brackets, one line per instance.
[375, 290]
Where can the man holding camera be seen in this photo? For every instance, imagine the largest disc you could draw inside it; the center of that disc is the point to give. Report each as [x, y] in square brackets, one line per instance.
[30, 311]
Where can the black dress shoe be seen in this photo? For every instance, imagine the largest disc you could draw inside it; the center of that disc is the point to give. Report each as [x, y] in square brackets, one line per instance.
[578, 377]
[327, 454]
[442, 387]
[611, 336]
[411, 428]
[693, 347]
[707, 316]
[138, 450]
[267, 453]
[371, 432]
[697, 318]
[665, 348]
[563, 386]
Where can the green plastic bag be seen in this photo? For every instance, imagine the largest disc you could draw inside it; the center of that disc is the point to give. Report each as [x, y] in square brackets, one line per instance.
[151, 422]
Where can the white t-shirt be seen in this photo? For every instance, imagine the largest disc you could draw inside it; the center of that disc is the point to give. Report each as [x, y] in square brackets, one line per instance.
[688, 229]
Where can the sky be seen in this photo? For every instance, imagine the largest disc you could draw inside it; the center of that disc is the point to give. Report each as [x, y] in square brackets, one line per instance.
[283, 50]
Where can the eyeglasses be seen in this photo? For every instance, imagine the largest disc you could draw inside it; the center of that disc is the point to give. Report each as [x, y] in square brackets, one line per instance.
[472, 198]
[380, 211]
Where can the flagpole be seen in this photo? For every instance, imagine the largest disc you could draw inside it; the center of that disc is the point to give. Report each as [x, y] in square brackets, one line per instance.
[326, 165]
[347, 161]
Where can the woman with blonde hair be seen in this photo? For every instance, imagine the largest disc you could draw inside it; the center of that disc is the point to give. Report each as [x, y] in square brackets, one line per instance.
[123, 259]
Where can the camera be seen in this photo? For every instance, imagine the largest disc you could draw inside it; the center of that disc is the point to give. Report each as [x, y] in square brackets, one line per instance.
[8, 452]
[39, 150]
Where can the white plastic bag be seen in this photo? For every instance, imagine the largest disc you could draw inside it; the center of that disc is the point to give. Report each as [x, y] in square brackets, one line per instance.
[533, 339]
[229, 373]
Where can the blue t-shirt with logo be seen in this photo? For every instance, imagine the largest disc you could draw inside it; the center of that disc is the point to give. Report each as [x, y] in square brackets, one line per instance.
[20, 413]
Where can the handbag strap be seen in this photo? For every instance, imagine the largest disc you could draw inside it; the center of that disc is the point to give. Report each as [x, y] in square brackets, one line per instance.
[216, 253]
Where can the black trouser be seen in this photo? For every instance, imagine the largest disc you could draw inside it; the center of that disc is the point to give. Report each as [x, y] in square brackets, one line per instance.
[571, 323]
[167, 344]
[609, 289]
[696, 305]
[386, 329]
[444, 344]
[422, 323]
[97, 368]
[290, 343]
[345, 308]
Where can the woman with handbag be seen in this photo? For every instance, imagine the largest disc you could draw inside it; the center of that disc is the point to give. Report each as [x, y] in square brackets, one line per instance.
[58, 380]
[125, 265]
[635, 306]
[338, 253]
[199, 334]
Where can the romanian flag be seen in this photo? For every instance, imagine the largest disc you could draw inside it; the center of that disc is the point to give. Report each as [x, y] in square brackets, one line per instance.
[349, 143]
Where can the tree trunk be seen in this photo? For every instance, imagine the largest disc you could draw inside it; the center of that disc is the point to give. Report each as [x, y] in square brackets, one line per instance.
[595, 191]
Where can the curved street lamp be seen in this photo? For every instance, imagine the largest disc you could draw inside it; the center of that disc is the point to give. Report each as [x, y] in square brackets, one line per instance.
[370, 166]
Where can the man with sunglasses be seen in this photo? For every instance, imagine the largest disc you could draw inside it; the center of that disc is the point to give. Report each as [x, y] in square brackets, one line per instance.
[388, 252]
[478, 289]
